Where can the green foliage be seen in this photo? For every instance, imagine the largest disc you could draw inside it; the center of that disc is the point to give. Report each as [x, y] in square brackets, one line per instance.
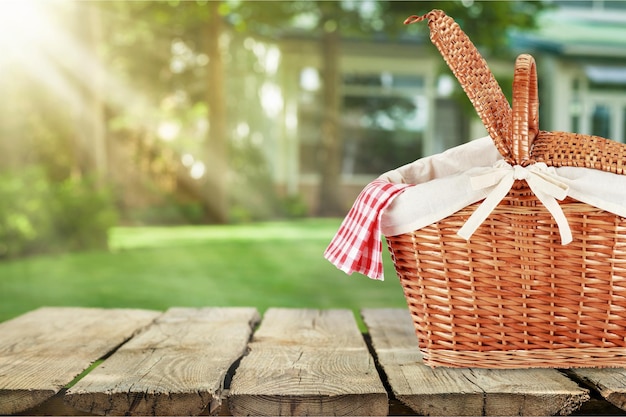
[294, 207]
[487, 23]
[82, 215]
[24, 217]
[39, 216]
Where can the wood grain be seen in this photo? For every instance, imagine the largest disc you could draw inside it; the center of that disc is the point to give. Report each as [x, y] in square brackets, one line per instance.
[466, 391]
[609, 382]
[307, 362]
[45, 349]
[175, 367]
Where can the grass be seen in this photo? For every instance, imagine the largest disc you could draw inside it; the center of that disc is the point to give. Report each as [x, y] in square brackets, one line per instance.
[275, 264]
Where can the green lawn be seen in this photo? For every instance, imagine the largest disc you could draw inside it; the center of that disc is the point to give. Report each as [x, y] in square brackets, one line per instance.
[262, 265]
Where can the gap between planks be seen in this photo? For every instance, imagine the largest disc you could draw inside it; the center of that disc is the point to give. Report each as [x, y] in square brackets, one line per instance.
[45, 349]
[307, 362]
[451, 391]
[177, 366]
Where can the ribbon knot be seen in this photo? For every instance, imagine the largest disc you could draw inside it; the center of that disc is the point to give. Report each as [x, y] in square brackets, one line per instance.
[520, 173]
[543, 182]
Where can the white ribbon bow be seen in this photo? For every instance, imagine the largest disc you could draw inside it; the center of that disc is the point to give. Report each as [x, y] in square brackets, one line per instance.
[542, 180]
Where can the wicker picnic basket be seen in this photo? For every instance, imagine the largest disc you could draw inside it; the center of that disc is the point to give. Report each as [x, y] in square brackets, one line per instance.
[512, 296]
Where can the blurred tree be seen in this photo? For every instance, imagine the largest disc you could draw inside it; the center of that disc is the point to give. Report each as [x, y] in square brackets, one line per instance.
[332, 17]
[178, 55]
[159, 51]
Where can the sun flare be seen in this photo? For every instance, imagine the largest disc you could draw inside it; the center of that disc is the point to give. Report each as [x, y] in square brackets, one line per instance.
[23, 25]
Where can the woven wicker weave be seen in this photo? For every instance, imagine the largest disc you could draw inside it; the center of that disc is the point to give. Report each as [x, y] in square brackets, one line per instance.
[513, 296]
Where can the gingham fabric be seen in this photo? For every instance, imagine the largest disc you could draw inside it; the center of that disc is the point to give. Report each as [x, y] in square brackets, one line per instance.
[357, 245]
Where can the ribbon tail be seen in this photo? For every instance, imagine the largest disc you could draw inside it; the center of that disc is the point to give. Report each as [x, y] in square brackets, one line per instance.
[556, 211]
[487, 206]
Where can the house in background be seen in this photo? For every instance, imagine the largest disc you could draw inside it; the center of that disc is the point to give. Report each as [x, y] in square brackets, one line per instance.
[396, 108]
[389, 116]
[398, 105]
[580, 49]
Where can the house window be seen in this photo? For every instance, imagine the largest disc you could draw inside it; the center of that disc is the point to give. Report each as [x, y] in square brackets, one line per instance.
[606, 102]
[607, 117]
[384, 117]
[382, 121]
[601, 121]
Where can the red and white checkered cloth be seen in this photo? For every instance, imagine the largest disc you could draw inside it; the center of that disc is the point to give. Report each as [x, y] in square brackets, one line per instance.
[357, 246]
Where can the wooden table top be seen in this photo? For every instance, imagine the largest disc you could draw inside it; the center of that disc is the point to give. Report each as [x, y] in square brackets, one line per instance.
[232, 361]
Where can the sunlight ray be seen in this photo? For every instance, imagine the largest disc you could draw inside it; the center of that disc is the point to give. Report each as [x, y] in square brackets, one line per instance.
[32, 39]
[53, 44]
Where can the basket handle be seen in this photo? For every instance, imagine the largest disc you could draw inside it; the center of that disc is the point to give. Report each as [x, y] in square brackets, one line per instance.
[525, 119]
[472, 72]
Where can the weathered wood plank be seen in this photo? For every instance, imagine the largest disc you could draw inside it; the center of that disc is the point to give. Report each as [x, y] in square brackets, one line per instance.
[176, 367]
[307, 362]
[45, 349]
[449, 391]
[609, 382]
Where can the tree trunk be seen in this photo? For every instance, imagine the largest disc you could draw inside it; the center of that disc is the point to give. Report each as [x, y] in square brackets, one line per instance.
[216, 152]
[331, 144]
